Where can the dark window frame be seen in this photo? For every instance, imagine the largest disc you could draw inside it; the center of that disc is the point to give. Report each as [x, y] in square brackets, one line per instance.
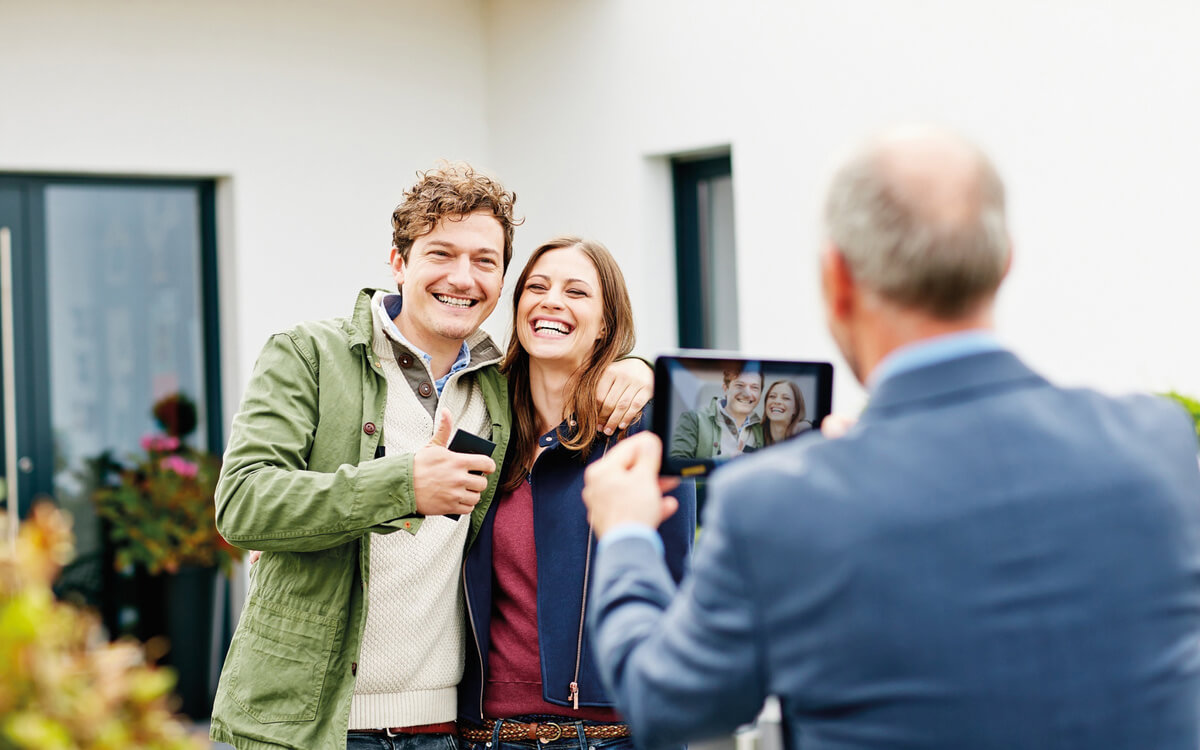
[688, 174]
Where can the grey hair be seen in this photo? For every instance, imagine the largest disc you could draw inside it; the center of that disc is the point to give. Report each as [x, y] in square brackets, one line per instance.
[901, 244]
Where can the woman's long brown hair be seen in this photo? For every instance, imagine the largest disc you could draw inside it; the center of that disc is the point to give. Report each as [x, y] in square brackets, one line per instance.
[616, 340]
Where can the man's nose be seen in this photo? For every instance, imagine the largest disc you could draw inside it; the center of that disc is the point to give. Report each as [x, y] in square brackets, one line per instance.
[460, 273]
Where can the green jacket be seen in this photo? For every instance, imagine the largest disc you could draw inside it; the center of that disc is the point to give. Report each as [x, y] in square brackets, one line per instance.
[301, 481]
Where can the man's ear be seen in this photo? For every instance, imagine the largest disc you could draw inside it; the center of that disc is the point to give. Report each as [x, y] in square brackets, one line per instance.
[396, 261]
[837, 284]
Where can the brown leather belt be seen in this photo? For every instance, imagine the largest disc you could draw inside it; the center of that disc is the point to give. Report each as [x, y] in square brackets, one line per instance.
[512, 731]
[446, 727]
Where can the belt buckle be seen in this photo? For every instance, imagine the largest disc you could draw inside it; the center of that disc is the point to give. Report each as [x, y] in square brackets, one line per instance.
[557, 736]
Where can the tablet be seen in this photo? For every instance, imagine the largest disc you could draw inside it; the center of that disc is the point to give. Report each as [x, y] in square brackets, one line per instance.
[710, 408]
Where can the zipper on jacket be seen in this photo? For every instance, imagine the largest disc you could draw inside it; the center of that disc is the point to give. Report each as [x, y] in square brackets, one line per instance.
[573, 688]
[475, 636]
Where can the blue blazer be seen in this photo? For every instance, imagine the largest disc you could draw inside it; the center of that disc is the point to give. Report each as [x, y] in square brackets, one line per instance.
[985, 561]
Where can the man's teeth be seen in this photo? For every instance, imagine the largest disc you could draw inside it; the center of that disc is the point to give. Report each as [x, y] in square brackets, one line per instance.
[546, 325]
[454, 301]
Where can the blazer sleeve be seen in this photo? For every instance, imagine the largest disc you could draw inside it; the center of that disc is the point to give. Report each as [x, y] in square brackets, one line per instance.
[681, 664]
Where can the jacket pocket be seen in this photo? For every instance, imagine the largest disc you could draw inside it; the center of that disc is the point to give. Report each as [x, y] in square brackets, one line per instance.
[279, 658]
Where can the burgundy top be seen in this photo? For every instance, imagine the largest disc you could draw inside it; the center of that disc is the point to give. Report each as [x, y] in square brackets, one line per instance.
[514, 680]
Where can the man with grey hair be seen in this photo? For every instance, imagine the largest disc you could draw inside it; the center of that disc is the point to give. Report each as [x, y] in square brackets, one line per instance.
[985, 560]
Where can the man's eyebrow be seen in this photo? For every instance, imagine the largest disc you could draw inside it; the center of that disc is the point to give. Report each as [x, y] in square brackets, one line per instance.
[452, 246]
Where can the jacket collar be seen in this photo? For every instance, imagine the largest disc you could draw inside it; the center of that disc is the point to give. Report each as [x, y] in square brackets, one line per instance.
[360, 325]
[952, 379]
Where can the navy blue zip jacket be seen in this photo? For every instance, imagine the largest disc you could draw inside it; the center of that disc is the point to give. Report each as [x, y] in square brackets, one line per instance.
[561, 529]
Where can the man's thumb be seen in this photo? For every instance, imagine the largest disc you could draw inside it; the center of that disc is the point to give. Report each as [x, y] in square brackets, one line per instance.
[441, 434]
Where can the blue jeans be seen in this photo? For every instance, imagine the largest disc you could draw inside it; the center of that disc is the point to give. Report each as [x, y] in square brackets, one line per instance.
[355, 741]
[564, 743]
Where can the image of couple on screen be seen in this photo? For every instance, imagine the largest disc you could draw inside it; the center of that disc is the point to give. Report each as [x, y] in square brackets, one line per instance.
[751, 412]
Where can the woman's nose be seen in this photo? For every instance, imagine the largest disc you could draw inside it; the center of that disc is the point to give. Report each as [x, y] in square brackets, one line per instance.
[552, 299]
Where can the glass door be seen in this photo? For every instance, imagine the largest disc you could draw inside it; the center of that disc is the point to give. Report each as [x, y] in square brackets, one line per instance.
[110, 307]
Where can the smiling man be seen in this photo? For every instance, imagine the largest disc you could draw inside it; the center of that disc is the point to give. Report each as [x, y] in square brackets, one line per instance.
[353, 634]
[728, 425]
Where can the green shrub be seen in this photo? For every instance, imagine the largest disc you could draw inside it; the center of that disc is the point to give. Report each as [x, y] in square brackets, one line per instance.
[64, 686]
[1192, 406]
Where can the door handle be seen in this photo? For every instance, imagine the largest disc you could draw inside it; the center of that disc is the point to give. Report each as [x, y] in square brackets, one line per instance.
[9, 376]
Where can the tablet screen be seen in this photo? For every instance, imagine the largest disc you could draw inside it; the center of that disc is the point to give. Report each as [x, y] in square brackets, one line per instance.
[711, 408]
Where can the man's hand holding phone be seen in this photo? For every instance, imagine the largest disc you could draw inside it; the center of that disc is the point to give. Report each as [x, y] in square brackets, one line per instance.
[445, 482]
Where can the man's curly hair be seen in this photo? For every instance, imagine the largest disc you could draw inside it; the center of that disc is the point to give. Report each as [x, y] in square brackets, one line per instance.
[452, 190]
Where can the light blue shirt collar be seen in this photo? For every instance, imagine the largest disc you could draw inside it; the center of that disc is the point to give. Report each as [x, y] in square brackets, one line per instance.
[388, 308]
[931, 352]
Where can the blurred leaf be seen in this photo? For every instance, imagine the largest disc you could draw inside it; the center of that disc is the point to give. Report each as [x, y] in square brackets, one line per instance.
[1189, 403]
[62, 686]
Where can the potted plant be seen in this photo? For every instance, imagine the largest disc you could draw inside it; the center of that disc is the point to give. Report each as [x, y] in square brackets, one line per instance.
[161, 509]
[64, 685]
[160, 513]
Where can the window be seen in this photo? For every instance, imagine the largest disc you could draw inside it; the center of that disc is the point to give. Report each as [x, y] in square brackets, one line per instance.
[112, 306]
[706, 257]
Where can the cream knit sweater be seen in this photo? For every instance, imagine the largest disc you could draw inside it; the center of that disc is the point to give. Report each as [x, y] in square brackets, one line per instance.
[413, 644]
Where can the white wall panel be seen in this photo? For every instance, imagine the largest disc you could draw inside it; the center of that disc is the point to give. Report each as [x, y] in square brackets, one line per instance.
[1089, 109]
[314, 115]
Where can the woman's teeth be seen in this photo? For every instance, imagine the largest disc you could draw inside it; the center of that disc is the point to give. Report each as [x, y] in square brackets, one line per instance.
[551, 327]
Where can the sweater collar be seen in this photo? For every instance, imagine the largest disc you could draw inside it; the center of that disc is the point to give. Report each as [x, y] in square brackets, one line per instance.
[360, 330]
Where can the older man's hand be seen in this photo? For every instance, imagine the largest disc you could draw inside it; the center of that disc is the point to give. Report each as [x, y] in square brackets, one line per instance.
[836, 425]
[624, 486]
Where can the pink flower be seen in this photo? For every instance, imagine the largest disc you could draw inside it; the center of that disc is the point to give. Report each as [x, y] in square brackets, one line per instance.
[180, 466]
[152, 443]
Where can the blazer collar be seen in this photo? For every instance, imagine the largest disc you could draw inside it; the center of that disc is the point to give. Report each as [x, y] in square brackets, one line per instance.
[955, 378]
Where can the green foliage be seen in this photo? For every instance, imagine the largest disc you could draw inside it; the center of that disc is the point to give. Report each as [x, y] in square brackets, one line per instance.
[162, 510]
[64, 687]
[1192, 406]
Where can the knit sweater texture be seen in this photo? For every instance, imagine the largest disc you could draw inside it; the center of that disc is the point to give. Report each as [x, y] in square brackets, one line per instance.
[413, 644]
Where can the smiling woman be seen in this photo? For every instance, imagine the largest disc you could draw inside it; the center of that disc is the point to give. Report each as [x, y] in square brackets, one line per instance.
[570, 309]
[784, 412]
[532, 673]
[560, 316]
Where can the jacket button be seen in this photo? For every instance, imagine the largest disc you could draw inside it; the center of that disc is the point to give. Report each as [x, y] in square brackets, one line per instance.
[425, 389]
[354, 668]
[369, 428]
[406, 360]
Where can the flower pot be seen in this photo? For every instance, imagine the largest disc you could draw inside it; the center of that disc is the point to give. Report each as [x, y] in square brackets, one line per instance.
[178, 609]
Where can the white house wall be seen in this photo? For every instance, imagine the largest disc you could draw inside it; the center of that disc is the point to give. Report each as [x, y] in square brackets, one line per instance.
[314, 115]
[1089, 109]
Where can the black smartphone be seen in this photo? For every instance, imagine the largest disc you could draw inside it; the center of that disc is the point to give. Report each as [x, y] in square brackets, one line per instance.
[710, 408]
[466, 442]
